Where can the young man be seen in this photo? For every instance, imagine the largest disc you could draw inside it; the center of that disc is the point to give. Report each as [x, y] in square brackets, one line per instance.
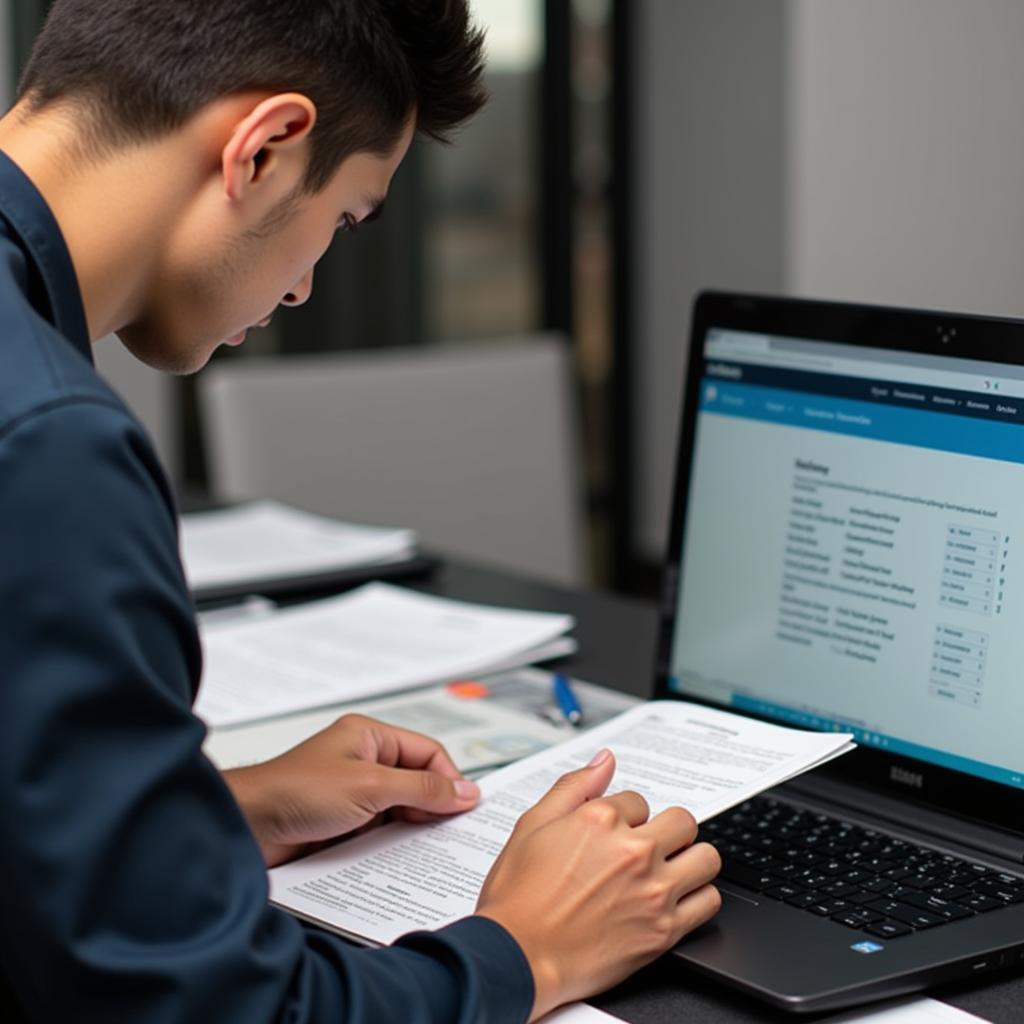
[172, 172]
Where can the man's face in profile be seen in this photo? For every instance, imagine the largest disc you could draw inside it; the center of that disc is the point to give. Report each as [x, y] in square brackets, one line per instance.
[213, 286]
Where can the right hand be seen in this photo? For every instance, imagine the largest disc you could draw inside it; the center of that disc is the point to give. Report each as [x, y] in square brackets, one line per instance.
[592, 890]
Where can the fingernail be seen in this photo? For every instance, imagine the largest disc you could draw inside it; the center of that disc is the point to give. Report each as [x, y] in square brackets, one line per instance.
[599, 758]
[466, 790]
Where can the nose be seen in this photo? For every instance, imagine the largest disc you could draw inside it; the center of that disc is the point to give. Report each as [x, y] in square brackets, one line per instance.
[300, 291]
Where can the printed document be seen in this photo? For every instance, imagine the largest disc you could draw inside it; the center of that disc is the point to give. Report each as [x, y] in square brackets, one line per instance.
[403, 877]
[266, 540]
[365, 643]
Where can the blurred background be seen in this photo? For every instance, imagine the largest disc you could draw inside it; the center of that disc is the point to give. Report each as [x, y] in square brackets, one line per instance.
[633, 153]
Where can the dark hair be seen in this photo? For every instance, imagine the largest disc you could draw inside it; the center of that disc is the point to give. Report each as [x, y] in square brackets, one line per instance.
[142, 68]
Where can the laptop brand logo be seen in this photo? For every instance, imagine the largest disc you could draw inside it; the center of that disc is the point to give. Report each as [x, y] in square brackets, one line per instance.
[906, 778]
[867, 947]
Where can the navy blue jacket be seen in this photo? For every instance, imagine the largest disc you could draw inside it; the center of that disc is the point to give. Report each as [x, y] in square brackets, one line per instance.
[131, 888]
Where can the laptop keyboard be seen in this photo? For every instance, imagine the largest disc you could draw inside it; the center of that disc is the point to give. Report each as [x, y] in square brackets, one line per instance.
[855, 876]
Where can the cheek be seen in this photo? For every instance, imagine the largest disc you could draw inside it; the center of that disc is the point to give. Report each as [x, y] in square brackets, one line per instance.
[300, 253]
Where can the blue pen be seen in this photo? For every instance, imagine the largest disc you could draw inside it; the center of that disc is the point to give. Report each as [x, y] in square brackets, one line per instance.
[567, 702]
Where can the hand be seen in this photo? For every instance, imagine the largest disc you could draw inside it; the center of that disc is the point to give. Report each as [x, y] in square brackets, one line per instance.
[344, 778]
[591, 890]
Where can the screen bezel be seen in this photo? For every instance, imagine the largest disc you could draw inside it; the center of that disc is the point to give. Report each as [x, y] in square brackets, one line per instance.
[987, 339]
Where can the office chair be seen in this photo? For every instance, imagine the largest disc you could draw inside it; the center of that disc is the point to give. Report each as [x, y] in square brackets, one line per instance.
[473, 445]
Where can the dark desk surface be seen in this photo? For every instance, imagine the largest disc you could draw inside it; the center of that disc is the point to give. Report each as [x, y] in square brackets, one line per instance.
[616, 637]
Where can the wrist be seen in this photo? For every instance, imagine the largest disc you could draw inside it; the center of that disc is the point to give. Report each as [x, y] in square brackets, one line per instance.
[253, 796]
[547, 979]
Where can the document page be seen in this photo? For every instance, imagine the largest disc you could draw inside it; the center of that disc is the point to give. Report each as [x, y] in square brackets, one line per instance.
[368, 642]
[403, 877]
[908, 1011]
[266, 540]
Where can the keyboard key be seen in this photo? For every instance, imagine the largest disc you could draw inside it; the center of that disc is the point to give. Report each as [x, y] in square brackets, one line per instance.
[888, 929]
[934, 905]
[880, 885]
[746, 877]
[827, 907]
[803, 900]
[784, 891]
[840, 889]
[1001, 891]
[811, 879]
[1012, 881]
[983, 904]
[909, 915]
[896, 874]
[831, 867]
[862, 898]
[857, 918]
[957, 893]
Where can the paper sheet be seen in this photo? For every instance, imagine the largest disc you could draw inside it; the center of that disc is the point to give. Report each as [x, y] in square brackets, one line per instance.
[266, 540]
[404, 877]
[907, 1011]
[579, 1013]
[371, 641]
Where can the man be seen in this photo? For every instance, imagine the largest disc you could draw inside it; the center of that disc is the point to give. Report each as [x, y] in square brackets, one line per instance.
[172, 172]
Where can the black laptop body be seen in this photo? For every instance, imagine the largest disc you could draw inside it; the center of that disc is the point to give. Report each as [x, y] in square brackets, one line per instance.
[847, 552]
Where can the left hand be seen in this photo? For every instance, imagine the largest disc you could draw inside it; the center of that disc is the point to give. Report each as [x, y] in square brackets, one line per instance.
[344, 778]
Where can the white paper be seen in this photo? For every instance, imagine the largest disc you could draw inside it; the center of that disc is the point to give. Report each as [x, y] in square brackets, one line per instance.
[266, 540]
[579, 1013]
[369, 642]
[907, 1011]
[404, 877]
[476, 733]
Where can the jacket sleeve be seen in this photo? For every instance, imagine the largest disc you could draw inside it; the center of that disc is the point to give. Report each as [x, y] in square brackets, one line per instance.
[133, 888]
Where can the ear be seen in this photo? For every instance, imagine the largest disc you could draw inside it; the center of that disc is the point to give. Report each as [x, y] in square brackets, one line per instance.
[276, 128]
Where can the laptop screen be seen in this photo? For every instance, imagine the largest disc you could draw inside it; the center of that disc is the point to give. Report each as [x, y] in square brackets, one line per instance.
[853, 550]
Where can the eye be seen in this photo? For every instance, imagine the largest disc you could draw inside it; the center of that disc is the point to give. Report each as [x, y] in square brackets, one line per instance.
[348, 224]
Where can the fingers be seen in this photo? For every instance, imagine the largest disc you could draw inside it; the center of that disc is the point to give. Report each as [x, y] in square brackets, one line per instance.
[572, 790]
[697, 908]
[424, 791]
[694, 869]
[632, 807]
[673, 829]
[403, 748]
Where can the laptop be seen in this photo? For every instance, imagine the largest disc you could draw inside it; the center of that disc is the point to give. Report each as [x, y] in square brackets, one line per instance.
[847, 553]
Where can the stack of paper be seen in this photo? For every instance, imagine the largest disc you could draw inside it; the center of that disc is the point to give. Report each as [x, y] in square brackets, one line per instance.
[371, 641]
[266, 541]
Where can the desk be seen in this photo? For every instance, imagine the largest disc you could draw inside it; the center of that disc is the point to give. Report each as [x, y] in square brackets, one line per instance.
[616, 638]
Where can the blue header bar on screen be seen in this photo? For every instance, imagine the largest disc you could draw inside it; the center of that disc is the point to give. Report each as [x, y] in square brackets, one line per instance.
[922, 428]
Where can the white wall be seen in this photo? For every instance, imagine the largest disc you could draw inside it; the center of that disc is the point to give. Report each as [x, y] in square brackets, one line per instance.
[882, 160]
[907, 152]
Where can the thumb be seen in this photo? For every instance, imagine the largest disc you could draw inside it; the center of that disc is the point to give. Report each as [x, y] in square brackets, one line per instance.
[573, 790]
[423, 790]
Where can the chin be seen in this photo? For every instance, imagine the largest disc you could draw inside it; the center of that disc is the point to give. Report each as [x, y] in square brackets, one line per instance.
[162, 353]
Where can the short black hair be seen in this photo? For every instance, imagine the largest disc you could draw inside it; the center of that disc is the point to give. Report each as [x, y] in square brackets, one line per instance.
[142, 68]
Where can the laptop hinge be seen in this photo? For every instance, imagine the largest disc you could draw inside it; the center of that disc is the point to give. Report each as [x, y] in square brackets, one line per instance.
[996, 842]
